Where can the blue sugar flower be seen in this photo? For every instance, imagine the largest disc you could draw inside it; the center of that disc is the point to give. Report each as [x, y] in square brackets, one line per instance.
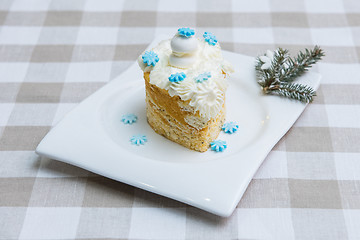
[210, 38]
[202, 77]
[218, 145]
[177, 77]
[150, 58]
[230, 127]
[129, 118]
[186, 32]
[138, 139]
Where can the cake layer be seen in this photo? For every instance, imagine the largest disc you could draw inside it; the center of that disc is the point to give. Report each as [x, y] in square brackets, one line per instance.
[167, 116]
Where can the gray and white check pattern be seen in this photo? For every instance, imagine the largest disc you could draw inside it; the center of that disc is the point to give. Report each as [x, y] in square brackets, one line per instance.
[55, 53]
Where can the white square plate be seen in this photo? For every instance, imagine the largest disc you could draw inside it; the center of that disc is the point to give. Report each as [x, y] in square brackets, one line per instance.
[93, 137]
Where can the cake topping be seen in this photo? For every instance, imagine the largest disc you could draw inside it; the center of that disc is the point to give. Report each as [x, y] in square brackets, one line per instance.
[129, 118]
[218, 145]
[210, 38]
[150, 58]
[186, 32]
[177, 77]
[184, 47]
[230, 127]
[138, 139]
[202, 77]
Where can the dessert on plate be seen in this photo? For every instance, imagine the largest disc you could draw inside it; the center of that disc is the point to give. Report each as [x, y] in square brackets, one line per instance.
[185, 82]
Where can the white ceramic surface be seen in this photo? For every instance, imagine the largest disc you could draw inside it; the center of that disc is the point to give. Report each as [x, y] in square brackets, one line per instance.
[93, 137]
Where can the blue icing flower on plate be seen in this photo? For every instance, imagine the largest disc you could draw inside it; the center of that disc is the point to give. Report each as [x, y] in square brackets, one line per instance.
[210, 38]
[129, 118]
[230, 127]
[150, 58]
[186, 32]
[177, 77]
[202, 77]
[218, 145]
[138, 139]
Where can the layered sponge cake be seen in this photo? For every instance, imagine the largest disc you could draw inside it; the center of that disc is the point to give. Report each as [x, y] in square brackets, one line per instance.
[186, 81]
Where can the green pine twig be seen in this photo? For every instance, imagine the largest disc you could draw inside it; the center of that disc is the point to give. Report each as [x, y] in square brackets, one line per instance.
[299, 65]
[277, 70]
[296, 91]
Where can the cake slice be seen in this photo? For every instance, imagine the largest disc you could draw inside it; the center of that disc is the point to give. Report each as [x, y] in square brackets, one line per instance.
[185, 83]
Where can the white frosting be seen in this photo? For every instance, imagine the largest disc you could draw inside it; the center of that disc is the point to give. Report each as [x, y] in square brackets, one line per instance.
[181, 44]
[183, 61]
[184, 51]
[206, 97]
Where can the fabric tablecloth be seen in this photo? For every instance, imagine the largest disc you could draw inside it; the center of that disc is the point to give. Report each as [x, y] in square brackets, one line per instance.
[55, 53]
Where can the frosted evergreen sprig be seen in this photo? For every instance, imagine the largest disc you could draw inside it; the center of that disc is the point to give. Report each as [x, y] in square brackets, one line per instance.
[296, 91]
[277, 70]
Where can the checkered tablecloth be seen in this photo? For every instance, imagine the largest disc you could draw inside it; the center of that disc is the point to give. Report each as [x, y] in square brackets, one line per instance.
[55, 53]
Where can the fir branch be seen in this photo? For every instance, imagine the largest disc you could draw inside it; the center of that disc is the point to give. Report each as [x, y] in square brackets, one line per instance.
[297, 91]
[271, 75]
[299, 65]
[276, 71]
